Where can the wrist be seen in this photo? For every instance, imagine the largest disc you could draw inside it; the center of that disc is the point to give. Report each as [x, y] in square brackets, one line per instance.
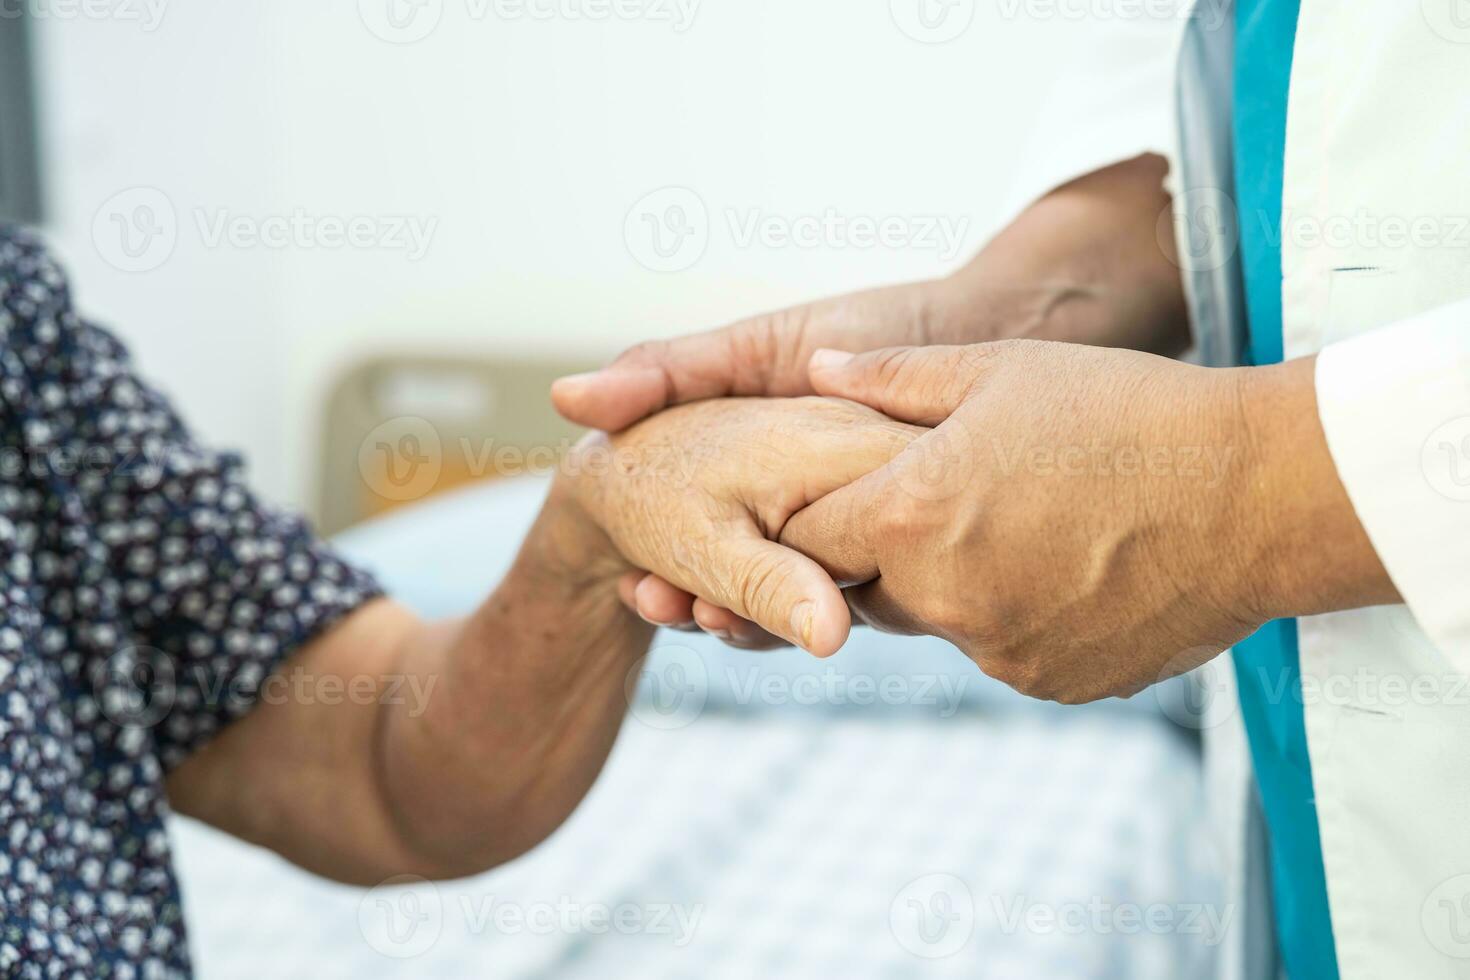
[1071, 300]
[567, 550]
[1309, 552]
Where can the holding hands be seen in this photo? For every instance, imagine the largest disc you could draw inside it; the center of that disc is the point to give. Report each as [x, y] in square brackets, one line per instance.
[1082, 522]
[1081, 518]
[701, 492]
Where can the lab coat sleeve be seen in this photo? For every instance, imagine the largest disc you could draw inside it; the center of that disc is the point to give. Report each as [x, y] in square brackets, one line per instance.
[1395, 407]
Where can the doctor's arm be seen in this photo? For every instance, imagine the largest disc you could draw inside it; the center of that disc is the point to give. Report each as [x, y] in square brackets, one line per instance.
[1089, 262]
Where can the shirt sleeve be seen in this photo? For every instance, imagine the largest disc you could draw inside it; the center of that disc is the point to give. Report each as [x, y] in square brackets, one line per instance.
[209, 587]
[1395, 406]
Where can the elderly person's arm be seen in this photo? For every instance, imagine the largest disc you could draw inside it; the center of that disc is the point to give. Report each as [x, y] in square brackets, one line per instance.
[467, 742]
[169, 641]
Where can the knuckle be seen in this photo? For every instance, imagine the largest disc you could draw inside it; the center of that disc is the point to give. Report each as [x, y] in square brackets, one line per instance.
[645, 352]
[892, 365]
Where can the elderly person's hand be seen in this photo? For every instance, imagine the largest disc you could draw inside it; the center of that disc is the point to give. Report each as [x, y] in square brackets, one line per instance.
[698, 493]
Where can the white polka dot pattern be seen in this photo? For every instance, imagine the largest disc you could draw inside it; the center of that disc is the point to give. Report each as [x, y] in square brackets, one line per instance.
[145, 594]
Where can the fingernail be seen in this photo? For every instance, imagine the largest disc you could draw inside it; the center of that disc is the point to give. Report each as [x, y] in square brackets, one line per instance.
[719, 634]
[575, 381]
[801, 622]
[826, 359]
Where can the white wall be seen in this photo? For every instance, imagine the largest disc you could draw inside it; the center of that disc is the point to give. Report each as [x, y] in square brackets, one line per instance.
[526, 142]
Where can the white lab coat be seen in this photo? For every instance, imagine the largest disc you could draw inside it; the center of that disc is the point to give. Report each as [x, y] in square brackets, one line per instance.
[1376, 276]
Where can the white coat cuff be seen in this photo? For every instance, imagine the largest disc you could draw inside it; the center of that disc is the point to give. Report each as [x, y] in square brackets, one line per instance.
[1395, 406]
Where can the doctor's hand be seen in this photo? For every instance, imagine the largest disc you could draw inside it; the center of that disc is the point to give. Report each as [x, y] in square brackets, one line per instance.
[698, 493]
[765, 355]
[1085, 522]
[1084, 263]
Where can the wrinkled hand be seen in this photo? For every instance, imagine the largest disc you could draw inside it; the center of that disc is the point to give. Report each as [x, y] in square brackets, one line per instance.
[698, 494]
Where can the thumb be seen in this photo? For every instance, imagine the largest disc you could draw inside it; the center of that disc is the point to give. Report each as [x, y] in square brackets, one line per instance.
[922, 385]
[783, 591]
[758, 356]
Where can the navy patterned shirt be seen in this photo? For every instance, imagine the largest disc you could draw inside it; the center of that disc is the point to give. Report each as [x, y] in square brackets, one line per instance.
[145, 595]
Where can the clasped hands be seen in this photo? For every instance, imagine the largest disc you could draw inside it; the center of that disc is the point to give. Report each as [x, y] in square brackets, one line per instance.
[1082, 522]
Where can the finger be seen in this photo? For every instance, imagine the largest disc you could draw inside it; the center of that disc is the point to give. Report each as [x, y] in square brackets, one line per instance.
[922, 385]
[727, 626]
[759, 356]
[783, 592]
[661, 603]
[835, 531]
[627, 589]
[874, 605]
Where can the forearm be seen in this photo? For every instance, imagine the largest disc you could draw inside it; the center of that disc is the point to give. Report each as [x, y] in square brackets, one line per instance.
[531, 698]
[1087, 263]
[462, 744]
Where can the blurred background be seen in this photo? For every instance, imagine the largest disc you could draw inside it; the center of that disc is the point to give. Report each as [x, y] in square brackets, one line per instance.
[330, 227]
